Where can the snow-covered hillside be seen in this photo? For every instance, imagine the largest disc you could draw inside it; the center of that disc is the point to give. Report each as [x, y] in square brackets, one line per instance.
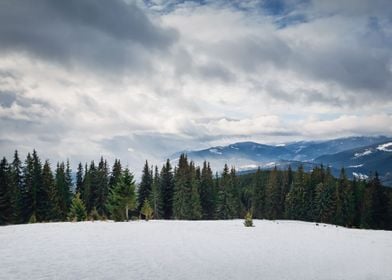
[193, 250]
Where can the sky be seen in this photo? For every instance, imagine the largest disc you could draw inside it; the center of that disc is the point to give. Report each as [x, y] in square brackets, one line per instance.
[141, 80]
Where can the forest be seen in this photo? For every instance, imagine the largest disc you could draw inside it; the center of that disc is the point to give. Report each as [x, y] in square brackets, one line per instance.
[31, 192]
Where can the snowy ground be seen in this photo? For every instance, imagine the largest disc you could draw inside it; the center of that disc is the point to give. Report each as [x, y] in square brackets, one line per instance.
[193, 250]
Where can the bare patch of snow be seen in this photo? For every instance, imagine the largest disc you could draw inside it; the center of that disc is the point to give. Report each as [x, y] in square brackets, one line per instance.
[356, 166]
[364, 153]
[385, 147]
[248, 166]
[360, 176]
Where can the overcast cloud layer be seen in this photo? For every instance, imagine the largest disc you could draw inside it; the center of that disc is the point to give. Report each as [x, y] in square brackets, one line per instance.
[142, 79]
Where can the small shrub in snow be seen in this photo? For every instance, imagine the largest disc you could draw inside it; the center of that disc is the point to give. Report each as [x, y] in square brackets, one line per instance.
[147, 210]
[248, 220]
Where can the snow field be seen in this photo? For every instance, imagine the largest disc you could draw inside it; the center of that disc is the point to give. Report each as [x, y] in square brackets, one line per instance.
[193, 250]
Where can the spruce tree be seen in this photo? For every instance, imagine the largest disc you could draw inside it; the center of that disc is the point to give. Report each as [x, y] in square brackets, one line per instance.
[17, 182]
[195, 212]
[273, 196]
[102, 187]
[155, 196]
[27, 192]
[182, 189]
[122, 197]
[77, 211]
[79, 180]
[207, 192]
[166, 182]
[296, 201]
[6, 207]
[145, 186]
[225, 207]
[258, 201]
[115, 175]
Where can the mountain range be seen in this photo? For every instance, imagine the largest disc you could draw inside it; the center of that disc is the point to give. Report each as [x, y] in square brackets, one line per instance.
[360, 156]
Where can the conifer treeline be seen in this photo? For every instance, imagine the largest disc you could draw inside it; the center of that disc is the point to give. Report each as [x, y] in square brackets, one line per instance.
[31, 192]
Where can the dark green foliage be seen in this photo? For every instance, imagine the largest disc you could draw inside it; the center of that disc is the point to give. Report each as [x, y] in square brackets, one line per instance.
[122, 197]
[79, 180]
[145, 186]
[166, 188]
[30, 192]
[258, 201]
[297, 200]
[77, 211]
[181, 189]
[116, 174]
[225, 204]
[195, 212]
[27, 191]
[63, 185]
[207, 193]
[155, 196]
[6, 193]
[273, 197]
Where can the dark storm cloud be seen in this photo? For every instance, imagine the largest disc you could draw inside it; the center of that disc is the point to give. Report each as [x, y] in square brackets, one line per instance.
[107, 33]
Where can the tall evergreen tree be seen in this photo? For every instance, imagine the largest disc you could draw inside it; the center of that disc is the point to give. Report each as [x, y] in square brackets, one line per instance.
[102, 187]
[17, 182]
[225, 207]
[325, 202]
[195, 212]
[296, 201]
[122, 197]
[182, 189]
[273, 196]
[258, 201]
[6, 203]
[45, 205]
[27, 192]
[155, 196]
[145, 186]
[116, 174]
[166, 182]
[79, 180]
[207, 192]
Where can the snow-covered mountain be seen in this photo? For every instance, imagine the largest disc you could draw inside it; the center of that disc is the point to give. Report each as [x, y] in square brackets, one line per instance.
[360, 162]
[360, 155]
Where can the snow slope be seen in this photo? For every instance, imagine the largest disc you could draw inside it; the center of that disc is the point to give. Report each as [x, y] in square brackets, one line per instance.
[193, 250]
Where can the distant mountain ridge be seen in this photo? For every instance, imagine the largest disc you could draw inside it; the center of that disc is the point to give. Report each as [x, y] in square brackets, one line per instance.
[359, 155]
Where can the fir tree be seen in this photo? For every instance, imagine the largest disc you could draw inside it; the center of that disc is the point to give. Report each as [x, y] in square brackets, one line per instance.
[79, 180]
[225, 207]
[194, 203]
[296, 201]
[181, 189]
[273, 196]
[77, 210]
[145, 186]
[258, 201]
[207, 192]
[166, 187]
[155, 197]
[6, 207]
[122, 197]
[116, 174]
[27, 192]
[17, 182]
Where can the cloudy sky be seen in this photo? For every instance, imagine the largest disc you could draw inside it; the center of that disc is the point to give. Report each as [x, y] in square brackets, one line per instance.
[143, 79]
